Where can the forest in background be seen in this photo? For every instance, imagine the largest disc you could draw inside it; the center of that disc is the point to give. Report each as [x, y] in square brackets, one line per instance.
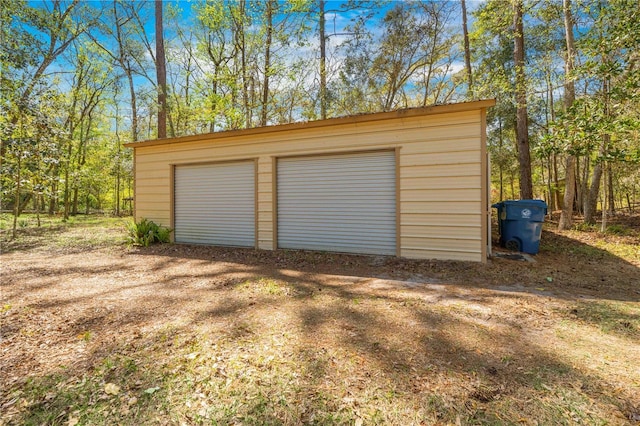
[79, 79]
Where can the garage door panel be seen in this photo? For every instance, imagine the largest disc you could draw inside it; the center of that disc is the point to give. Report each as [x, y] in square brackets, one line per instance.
[344, 203]
[215, 204]
[349, 207]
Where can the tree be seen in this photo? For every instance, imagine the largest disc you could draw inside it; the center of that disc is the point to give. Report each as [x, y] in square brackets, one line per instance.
[598, 135]
[569, 98]
[119, 25]
[410, 64]
[33, 38]
[26, 55]
[61, 30]
[247, 63]
[161, 72]
[522, 127]
[323, 60]
[88, 85]
[613, 59]
[269, 12]
[467, 49]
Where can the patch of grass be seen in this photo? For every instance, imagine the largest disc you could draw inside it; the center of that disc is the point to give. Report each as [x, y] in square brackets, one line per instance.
[542, 375]
[611, 317]
[550, 243]
[266, 287]
[594, 245]
[625, 249]
[618, 229]
[86, 336]
[585, 227]
[78, 233]
[60, 399]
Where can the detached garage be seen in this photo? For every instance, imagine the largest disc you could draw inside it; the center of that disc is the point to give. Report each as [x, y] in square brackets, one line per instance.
[410, 183]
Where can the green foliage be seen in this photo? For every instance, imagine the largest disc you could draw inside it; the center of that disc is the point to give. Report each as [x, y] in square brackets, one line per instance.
[618, 230]
[147, 232]
[585, 227]
[62, 133]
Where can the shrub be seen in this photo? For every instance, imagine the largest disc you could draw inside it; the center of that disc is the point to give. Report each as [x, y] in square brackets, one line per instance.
[147, 232]
[584, 227]
[617, 230]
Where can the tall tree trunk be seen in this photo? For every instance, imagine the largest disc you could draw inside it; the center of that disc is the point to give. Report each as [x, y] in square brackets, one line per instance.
[603, 226]
[566, 219]
[161, 73]
[592, 201]
[118, 178]
[241, 47]
[83, 159]
[591, 204]
[74, 209]
[323, 63]
[36, 207]
[556, 184]
[551, 117]
[267, 64]
[134, 107]
[522, 130]
[54, 191]
[66, 178]
[81, 140]
[583, 187]
[501, 167]
[24, 202]
[467, 49]
[16, 204]
[612, 202]
[117, 121]
[551, 201]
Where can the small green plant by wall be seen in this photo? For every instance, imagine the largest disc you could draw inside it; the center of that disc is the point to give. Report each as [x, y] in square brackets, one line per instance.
[147, 232]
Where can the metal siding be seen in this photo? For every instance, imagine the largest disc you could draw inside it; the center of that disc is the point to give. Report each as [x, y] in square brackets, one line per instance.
[343, 203]
[215, 204]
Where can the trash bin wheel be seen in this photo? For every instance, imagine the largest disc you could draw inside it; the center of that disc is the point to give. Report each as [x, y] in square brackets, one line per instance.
[512, 245]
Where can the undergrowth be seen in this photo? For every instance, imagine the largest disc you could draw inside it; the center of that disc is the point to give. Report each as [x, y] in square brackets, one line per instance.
[147, 232]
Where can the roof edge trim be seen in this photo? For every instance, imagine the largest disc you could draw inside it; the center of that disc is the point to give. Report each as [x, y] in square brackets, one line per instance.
[352, 119]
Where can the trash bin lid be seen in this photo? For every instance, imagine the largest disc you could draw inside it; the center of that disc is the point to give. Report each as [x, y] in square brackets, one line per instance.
[536, 203]
[529, 210]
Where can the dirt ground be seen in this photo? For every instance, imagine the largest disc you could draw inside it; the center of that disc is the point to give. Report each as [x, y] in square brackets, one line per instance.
[290, 337]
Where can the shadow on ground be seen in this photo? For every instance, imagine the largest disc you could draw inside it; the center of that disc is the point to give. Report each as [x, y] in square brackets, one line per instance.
[287, 337]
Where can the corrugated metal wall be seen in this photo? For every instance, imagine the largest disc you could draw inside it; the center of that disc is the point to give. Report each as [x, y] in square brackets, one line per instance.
[215, 204]
[441, 162]
[344, 203]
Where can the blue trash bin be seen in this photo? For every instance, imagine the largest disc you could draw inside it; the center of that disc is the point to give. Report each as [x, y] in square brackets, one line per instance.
[520, 224]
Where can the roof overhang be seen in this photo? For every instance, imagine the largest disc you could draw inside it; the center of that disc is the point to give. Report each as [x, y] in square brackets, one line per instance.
[353, 119]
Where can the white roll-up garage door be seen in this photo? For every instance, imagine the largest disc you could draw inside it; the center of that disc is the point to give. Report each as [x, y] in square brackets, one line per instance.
[343, 203]
[215, 204]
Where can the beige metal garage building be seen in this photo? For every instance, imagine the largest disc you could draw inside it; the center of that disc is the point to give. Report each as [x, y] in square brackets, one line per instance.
[411, 183]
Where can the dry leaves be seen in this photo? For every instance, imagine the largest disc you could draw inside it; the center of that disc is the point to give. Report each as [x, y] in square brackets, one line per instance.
[111, 389]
